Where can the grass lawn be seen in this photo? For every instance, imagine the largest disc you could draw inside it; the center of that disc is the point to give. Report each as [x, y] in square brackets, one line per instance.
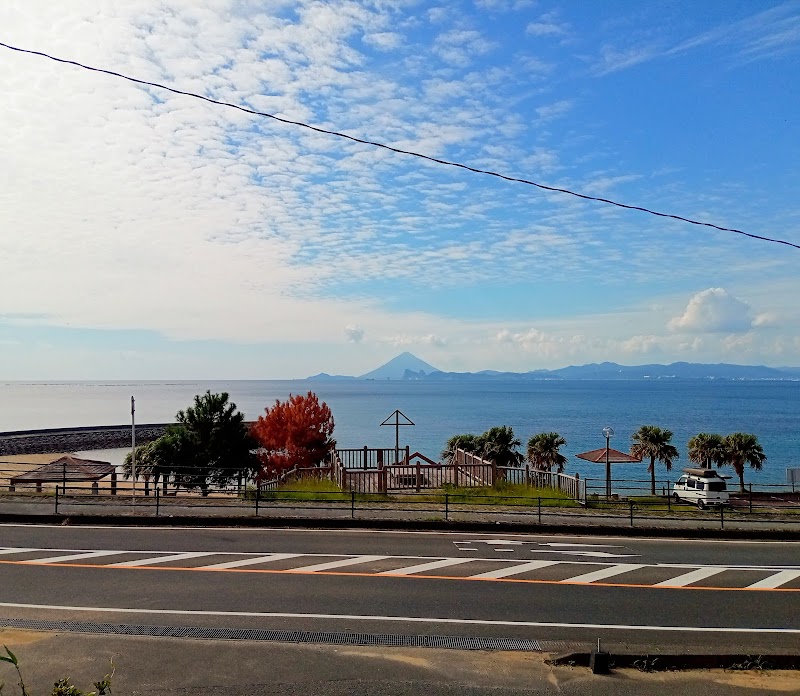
[307, 489]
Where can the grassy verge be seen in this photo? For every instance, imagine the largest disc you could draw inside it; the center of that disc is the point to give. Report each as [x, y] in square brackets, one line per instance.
[307, 489]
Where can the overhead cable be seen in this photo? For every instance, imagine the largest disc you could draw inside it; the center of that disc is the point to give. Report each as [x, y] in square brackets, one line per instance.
[400, 151]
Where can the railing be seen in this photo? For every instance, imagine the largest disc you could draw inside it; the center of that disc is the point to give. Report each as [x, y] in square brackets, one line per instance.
[227, 502]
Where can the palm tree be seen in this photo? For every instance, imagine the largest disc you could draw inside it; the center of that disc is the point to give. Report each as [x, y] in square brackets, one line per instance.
[651, 441]
[500, 446]
[741, 449]
[543, 451]
[707, 449]
[467, 442]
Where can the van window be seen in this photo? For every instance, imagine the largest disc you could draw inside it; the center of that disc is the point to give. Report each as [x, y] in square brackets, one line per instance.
[701, 485]
[716, 485]
[690, 483]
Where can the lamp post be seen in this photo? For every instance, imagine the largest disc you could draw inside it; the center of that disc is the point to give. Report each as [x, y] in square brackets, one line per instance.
[608, 432]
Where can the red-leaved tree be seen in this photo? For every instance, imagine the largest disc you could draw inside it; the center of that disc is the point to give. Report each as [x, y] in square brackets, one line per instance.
[295, 432]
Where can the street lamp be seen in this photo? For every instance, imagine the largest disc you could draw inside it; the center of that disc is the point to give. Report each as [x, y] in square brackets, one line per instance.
[608, 432]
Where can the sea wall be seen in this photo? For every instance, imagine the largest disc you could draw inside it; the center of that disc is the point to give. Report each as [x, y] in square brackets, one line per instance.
[76, 439]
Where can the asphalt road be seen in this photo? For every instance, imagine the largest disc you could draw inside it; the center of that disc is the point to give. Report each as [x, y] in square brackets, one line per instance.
[648, 594]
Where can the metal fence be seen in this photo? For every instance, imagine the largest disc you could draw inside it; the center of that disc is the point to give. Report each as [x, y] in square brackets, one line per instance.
[448, 506]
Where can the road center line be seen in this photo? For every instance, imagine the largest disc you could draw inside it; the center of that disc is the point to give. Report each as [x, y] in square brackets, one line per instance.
[338, 564]
[161, 559]
[400, 619]
[604, 573]
[776, 580]
[690, 577]
[423, 567]
[77, 556]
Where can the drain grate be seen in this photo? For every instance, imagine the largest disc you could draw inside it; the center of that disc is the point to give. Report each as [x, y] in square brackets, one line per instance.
[257, 634]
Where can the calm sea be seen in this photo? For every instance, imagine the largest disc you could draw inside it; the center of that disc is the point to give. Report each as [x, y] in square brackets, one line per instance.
[577, 409]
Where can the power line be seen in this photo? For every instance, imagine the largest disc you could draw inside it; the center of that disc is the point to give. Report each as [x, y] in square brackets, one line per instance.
[411, 153]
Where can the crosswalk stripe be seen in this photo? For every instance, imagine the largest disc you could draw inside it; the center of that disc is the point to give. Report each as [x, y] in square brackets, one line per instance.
[422, 567]
[604, 573]
[253, 560]
[6, 552]
[161, 559]
[776, 580]
[690, 577]
[75, 557]
[516, 570]
[337, 564]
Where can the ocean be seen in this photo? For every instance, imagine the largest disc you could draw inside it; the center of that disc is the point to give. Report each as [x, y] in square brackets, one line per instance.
[577, 409]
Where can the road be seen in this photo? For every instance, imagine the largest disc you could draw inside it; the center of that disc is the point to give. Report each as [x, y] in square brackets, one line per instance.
[665, 594]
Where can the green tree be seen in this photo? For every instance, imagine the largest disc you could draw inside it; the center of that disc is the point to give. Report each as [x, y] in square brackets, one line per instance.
[210, 444]
[499, 445]
[543, 451]
[741, 449]
[655, 443]
[707, 449]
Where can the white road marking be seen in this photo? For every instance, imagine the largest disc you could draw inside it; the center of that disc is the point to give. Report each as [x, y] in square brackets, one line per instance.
[595, 546]
[400, 619]
[588, 554]
[776, 580]
[423, 567]
[250, 561]
[76, 557]
[338, 564]
[505, 550]
[162, 559]
[604, 573]
[7, 551]
[516, 570]
[690, 577]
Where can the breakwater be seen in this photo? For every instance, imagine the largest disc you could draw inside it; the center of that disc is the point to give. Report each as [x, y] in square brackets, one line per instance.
[76, 439]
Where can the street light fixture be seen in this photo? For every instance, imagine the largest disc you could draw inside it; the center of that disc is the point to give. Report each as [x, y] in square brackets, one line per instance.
[608, 432]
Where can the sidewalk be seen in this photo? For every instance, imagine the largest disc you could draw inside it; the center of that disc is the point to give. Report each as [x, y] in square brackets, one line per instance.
[430, 516]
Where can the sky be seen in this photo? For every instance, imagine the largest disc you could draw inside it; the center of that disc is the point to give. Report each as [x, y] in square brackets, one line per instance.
[149, 235]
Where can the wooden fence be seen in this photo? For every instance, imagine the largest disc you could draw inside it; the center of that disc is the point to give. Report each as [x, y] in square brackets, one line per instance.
[368, 470]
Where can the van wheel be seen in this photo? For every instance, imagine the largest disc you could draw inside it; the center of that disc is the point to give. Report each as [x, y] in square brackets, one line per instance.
[676, 498]
[701, 505]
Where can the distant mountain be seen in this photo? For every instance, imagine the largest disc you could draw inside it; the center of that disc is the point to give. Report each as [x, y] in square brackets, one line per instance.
[404, 366]
[409, 367]
[325, 377]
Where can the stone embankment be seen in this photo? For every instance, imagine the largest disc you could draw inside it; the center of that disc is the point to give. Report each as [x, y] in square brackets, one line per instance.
[76, 439]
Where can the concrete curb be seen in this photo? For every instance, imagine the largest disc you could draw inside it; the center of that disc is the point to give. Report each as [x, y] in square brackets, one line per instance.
[399, 524]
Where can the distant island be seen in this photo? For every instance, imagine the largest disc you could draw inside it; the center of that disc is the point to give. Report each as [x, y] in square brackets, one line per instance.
[409, 367]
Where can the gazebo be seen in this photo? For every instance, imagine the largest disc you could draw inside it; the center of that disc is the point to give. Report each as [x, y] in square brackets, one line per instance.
[67, 469]
[608, 456]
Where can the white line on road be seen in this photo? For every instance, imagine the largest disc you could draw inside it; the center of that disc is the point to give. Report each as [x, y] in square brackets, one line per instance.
[604, 573]
[690, 577]
[516, 570]
[338, 564]
[423, 567]
[6, 552]
[399, 619]
[75, 557]
[250, 561]
[776, 580]
[162, 559]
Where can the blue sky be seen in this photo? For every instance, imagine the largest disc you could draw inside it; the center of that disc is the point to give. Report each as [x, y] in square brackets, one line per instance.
[149, 235]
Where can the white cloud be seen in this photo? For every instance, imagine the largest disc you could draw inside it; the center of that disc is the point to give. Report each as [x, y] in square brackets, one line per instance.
[355, 334]
[554, 110]
[384, 40]
[713, 311]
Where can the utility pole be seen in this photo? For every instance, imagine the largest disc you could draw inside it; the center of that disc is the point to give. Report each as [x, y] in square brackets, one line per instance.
[133, 446]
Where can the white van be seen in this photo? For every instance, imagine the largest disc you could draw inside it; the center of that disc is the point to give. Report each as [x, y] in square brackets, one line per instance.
[703, 487]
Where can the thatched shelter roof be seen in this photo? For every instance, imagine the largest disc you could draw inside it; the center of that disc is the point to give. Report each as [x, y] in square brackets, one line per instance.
[68, 468]
[598, 456]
